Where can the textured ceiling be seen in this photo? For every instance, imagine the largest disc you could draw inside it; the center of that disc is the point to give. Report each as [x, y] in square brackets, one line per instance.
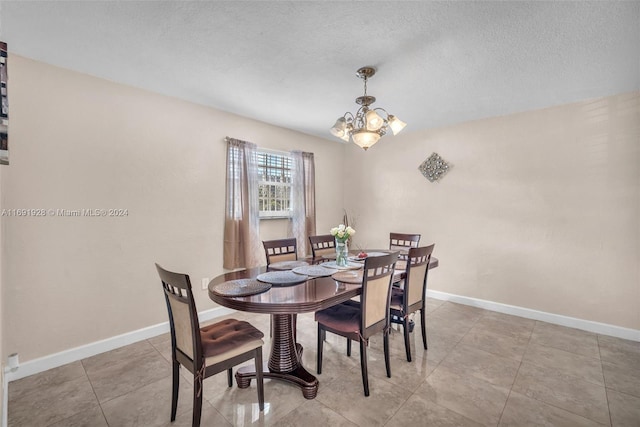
[293, 64]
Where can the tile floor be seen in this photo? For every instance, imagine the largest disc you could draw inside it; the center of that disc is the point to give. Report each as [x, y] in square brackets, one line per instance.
[482, 368]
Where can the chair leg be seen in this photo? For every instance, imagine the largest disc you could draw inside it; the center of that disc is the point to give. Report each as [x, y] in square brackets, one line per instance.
[321, 334]
[197, 401]
[407, 342]
[423, 326]
[175, 387]
[348, 347]
[230, 377]
[259, 379]
[363, 366]
[387, 364]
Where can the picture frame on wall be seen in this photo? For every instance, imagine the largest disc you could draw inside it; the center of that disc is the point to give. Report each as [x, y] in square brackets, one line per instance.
[4, 106]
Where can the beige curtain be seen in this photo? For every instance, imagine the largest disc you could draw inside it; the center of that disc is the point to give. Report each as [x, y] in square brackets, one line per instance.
[241, 225]
[303, 198]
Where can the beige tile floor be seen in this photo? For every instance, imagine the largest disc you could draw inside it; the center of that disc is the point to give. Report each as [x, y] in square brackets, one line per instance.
[482, 368]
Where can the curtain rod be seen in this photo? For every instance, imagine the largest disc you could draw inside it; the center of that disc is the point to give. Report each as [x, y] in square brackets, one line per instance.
[268, 150]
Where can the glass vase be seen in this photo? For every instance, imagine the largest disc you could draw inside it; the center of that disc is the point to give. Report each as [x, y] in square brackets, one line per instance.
[342, 253]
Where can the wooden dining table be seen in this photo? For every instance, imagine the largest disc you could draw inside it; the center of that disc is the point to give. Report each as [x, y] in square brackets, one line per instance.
[283, 303]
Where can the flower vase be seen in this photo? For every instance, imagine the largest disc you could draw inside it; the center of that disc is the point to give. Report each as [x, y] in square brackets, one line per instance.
[342, 253]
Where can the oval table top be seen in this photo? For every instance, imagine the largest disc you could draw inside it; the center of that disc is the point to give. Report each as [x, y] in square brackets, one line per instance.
[313, 295]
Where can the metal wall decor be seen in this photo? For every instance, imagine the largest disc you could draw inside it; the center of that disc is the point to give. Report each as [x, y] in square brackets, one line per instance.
[4, 107]
[434, 168]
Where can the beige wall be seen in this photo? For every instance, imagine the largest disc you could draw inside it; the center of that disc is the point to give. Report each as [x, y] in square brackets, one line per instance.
[541, 209]
[82, 142]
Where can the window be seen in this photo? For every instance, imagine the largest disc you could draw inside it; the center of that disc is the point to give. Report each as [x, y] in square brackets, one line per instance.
[274, 185]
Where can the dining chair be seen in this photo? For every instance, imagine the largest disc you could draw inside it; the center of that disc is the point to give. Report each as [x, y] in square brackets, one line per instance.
[280, 250]
[322, 245]
[326, 245]
[360, 322]
[402, 242]
[208, 350]
[412, 298]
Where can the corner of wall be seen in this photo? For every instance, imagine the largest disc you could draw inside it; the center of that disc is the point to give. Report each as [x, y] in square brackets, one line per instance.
[3, 390]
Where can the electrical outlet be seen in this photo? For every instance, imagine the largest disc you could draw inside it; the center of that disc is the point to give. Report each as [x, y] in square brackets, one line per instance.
[205, 283]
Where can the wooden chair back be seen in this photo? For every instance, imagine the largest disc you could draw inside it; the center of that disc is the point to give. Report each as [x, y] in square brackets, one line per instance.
[376, 293]
[402, 242]
[415, 285]
[322, 245]
[280, 250]
[183, 317]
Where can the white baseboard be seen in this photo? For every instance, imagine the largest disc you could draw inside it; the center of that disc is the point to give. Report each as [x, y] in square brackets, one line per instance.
[58, 359]
[557, 319]
[62, 358]
[78, 353]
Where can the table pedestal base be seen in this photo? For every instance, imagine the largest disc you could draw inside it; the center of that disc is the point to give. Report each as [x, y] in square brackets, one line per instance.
[300, 377]
[284, 361]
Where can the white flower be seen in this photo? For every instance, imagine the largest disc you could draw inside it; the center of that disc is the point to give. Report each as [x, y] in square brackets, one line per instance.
[342, 232]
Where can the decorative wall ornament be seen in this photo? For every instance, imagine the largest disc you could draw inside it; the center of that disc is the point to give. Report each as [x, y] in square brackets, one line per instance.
[434, 168]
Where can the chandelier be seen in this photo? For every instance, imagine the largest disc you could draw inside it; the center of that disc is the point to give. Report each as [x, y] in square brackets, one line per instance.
[367, 126]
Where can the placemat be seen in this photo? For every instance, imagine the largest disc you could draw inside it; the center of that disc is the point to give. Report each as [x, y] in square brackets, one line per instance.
[329, 256]
[348, 276]
[314, 270]
[350, 265]
[287, 265]
[282, 277]
[240, 288]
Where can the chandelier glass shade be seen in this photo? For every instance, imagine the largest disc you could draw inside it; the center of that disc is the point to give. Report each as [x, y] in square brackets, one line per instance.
[368, 124]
